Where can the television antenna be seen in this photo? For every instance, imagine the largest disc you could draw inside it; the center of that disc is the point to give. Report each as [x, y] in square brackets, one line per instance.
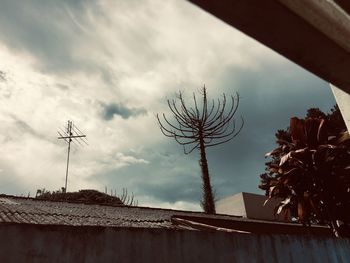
[71, 134]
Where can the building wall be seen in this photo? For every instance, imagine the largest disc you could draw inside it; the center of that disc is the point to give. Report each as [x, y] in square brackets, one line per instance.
[33, 243]
[343, 101]
[231, 205]
[256, 209]
[250, 206]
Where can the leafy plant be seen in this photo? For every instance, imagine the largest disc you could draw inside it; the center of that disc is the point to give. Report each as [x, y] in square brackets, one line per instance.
[310, 171]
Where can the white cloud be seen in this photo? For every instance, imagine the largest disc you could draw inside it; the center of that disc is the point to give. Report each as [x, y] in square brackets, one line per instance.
[179, 205]
[65, 60]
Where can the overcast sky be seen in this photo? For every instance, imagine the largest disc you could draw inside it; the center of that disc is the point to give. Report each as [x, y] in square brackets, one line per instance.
[110, 66]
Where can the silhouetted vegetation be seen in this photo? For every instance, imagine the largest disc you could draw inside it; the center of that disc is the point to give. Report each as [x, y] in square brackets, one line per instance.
[310, 170]
[199, 127]
[126, 198]
[86, 196]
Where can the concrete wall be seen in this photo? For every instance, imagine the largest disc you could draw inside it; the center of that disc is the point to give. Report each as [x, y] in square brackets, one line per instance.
[250, 206]
[256, 209]
[33, 243]
[231, 205]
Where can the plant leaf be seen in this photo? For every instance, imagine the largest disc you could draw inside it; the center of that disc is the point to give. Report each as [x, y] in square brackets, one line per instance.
[274, 151]
[322, 132]
[283, 205]
[297, 130]
[266, 201]
[285, 158]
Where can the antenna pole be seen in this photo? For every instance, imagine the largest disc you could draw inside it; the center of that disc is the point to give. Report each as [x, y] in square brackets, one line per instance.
[68, 137]
[69, 131]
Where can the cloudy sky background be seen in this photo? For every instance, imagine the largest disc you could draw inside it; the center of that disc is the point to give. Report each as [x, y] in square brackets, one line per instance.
[109, 66]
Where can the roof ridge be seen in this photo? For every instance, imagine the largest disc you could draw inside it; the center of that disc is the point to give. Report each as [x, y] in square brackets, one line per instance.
[119, 206]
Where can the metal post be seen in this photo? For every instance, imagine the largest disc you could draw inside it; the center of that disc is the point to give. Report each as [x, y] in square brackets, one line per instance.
[71, 133]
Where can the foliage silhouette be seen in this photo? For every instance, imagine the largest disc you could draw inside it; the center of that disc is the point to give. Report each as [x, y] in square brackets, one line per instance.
[310, 170]
[199, 127]
[87, 196]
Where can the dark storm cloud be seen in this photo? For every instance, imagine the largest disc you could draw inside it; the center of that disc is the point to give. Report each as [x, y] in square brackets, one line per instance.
[10, 183]
[172, 177]
[24, 128]
[52, 32]
[271, 92]
[31, 27]
[165, 185]
[2, 76]
[269, 97]
[45, 30]
[169, 175]
[62, 87]
[110, 110]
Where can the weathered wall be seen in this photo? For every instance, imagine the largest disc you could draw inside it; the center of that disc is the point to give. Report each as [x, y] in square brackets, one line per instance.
[32, 243]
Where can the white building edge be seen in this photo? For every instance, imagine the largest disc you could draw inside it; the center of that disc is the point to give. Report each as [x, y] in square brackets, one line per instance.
[343, 100]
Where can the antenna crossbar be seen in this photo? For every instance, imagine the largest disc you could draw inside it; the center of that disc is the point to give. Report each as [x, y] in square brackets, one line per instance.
[69, 136]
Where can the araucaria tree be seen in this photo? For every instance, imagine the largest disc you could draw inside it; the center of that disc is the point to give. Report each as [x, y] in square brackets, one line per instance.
[204, 124]
[310, 171]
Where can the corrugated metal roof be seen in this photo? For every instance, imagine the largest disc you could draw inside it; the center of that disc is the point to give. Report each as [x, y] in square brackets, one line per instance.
[22, 210]
[33, 211]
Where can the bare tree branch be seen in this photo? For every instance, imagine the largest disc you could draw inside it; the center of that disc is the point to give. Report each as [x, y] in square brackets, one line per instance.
[198, 128]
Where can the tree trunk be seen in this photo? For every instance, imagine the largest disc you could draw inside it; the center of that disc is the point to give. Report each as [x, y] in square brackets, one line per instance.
[207, 202]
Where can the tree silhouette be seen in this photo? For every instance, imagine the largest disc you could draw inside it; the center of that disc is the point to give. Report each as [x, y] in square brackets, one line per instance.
[200, 126]
[310, 170]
